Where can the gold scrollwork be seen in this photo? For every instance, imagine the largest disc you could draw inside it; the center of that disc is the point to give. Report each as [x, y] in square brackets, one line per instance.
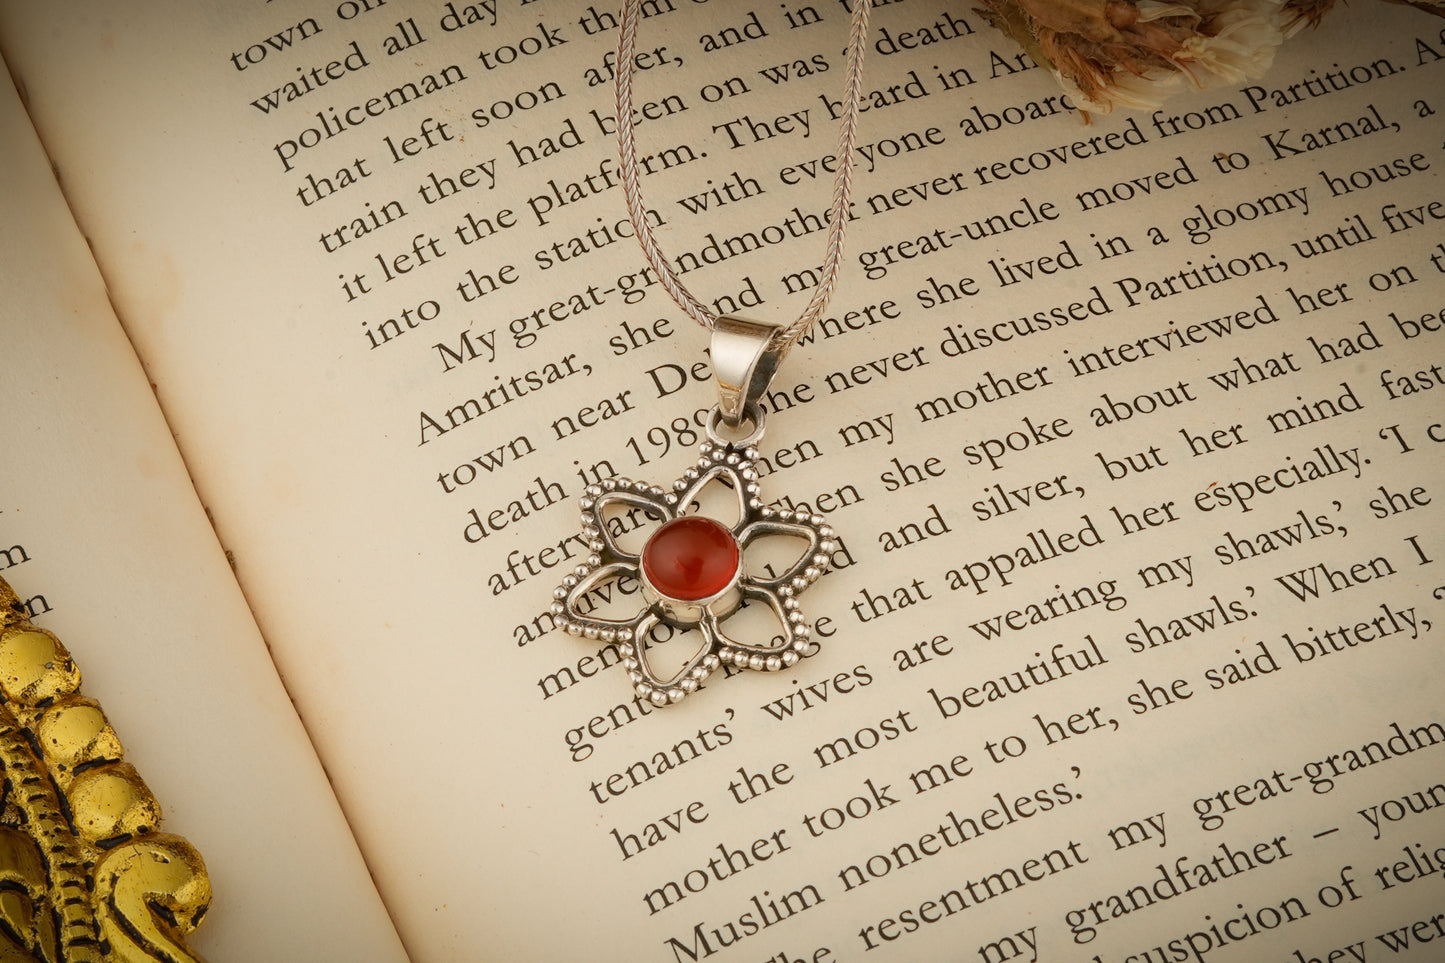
[85, 873]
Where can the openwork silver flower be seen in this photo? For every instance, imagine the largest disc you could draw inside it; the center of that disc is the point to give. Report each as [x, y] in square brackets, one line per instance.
[692, 570]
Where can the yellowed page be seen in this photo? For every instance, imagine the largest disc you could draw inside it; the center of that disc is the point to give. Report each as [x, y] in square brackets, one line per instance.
[1129, 430]
[105, 539]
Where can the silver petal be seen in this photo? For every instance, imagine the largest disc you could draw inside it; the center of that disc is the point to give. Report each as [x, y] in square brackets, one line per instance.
[755, 656]
[727, 477]
[695, 669]
[595, 519]
[572, 604]
[809, 534]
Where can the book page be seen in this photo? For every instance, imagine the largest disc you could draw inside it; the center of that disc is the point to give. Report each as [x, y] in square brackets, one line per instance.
[102, 536]
[1129, 430]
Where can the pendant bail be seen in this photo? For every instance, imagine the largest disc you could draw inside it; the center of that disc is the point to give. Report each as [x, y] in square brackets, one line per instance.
[744, 359]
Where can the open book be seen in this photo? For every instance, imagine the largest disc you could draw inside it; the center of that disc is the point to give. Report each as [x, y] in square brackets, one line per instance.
[1131, 431]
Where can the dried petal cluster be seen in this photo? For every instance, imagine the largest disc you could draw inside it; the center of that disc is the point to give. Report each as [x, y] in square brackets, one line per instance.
[1135, 53]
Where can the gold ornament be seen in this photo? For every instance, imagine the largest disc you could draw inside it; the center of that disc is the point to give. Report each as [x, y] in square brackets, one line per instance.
[85, 873]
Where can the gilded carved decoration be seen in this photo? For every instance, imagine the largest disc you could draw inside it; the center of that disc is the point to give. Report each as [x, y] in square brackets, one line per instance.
[85, 873]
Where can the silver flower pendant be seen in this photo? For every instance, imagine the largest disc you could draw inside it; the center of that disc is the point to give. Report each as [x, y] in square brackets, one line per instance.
[693, 569]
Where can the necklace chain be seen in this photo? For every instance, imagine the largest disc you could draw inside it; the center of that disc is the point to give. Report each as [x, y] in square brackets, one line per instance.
[842, 184]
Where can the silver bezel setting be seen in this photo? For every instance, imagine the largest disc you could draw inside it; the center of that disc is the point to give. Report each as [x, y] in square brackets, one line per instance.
[689, 612]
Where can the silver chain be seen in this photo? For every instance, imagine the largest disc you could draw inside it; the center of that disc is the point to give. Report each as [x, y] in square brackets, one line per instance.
[842, 184]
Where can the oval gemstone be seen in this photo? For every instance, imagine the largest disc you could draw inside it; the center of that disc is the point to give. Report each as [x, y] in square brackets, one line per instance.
[691, 558]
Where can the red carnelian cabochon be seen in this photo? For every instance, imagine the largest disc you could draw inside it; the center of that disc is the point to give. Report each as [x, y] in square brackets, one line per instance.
[691, 558]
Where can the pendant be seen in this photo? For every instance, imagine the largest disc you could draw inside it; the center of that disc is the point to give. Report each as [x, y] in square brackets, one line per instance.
[692, 569]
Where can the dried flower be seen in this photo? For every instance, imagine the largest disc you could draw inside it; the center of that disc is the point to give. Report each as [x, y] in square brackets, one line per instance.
[1135, 53]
